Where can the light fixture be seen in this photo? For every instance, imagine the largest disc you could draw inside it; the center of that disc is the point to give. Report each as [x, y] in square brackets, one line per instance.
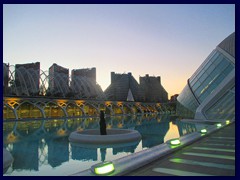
[175, 142]
[103, 168]
[219, 125]
[203, 131]
[227, 121]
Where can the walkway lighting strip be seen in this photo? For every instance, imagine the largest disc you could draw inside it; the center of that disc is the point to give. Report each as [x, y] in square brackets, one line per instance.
[103, 168]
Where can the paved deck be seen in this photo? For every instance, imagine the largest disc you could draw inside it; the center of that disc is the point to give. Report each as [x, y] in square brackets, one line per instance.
[213, 155]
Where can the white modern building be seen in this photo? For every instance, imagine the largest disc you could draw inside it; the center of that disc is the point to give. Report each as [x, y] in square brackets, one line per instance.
[210, 91]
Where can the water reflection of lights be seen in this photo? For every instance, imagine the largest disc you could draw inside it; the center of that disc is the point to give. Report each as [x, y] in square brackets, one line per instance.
[79, 129]
[11, 137]
[120, 125]
[9, 147]
[61, 132]
[109, 126]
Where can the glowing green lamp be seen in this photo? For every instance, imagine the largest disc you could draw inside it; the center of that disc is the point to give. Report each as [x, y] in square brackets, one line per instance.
[175, 142]
[203, 131]
[227, 121]
[103, 168]
[219, 125]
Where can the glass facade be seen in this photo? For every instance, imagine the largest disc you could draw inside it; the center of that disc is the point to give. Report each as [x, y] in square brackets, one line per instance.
[212, 73]
[210, 77]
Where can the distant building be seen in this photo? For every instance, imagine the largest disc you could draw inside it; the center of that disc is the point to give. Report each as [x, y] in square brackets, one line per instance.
[87, 72]
[27, 78]
[124, 87]
[154, 91]
[173, 98]
[83, 83]
[5, 77]
[210, 91]
[58, 80]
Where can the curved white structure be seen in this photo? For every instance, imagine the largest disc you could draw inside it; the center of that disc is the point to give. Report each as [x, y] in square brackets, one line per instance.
[7, 160]
[210, 91]
[114, 136]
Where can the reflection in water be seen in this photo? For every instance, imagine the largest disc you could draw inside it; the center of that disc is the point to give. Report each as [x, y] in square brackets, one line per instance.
[153, 133]
[103, 152]
[58, 151]
[172, 133]
[130, 147]
[185, 128]
[37, 144]
[83, 154]
[25, 155]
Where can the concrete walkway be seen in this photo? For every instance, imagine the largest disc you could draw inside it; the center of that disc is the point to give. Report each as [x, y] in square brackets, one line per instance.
[213, 155]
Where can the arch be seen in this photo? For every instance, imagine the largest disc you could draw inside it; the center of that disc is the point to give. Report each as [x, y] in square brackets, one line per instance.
[72, 112]
[60, 87]
[43, 81]
[109, 109]
[52, 109]
[127, 107]
[30, 77]
[138, 108]
[116, 108]
[93, 110]
[27, 109]
[22, 83]
[7, 114]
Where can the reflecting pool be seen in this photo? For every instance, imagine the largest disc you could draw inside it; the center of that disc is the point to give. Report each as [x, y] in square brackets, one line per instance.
[41, 148]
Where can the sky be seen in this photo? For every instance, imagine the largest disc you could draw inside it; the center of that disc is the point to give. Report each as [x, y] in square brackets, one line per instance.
[166, 40]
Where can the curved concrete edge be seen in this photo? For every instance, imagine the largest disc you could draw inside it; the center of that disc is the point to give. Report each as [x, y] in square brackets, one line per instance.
[7, 160]
[95, 146]
[114, 136]
[131, 162]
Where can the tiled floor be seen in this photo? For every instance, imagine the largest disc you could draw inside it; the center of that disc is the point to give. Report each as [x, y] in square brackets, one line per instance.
[213, 155]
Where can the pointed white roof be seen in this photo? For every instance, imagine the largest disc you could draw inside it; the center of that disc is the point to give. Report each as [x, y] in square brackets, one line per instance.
[130, 95]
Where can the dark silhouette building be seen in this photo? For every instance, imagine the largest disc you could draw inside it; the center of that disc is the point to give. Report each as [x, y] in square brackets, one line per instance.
[83, 83]
[58, 80]
[27, 78]
[5, 77]
[153, 90]
[124, 87]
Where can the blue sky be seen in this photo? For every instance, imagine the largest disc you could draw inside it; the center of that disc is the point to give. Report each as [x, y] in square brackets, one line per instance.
[170, 41]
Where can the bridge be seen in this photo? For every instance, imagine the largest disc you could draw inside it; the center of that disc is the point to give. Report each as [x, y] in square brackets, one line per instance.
[43, 107]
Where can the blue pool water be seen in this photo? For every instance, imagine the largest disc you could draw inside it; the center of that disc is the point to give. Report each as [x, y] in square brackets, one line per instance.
[41, 148]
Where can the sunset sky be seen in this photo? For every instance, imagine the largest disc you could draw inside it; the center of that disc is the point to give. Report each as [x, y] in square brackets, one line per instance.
[170, 41]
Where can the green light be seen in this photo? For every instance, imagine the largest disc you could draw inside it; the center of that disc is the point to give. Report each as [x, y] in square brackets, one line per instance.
[219, 125]
[227, 121]
[103, 168]
[175, 142]
[203, 131]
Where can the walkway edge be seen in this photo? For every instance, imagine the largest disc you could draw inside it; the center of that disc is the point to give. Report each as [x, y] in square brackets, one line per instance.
[134, 161]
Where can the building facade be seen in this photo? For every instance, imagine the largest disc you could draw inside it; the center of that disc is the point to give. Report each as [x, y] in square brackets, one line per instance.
[58, 80]
[27, 78]
[83, 83]
[5, 77]
[210, 91]
[153, 90]
[124, 87]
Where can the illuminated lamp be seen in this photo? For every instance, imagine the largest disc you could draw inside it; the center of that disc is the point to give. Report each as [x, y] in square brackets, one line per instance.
[103, 168]
[175, 142]
[227, 121]
[219, 125]
[203, 131]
